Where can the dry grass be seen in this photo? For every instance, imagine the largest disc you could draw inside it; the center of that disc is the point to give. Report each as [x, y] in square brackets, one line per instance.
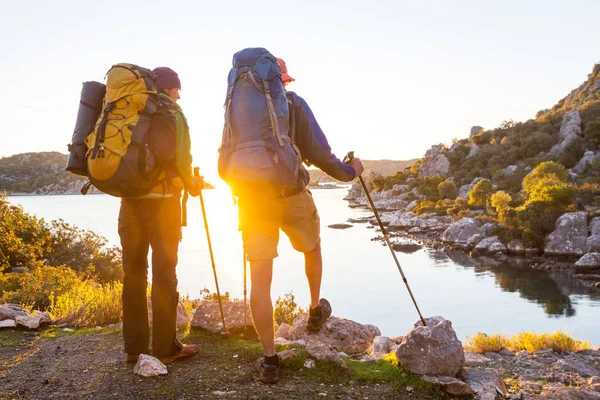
[529, 341]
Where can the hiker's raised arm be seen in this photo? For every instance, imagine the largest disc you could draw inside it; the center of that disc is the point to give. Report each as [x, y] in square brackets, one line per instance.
[313, 144]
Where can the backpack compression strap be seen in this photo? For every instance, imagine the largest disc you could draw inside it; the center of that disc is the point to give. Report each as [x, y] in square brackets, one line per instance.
[272, 115]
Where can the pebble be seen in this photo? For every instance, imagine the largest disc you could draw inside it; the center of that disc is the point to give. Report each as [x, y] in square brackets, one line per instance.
[409, 389]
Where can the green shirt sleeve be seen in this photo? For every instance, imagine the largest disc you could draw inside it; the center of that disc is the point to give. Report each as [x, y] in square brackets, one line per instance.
[183, 155]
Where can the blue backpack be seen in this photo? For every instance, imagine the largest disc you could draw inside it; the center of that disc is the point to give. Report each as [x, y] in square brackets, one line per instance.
[257, 155]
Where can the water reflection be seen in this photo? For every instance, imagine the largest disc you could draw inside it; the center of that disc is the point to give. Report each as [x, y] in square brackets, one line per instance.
[551, 290]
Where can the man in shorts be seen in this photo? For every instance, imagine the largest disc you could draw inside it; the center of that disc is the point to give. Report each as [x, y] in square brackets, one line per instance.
[296, 215]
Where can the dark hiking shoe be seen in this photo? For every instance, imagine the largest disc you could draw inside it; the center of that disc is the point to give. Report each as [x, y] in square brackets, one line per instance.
[314, 323]
[187, 351]
[267, 373]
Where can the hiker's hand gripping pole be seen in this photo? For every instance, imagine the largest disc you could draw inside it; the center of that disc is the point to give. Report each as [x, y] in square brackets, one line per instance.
[349, 157]
[212, 258]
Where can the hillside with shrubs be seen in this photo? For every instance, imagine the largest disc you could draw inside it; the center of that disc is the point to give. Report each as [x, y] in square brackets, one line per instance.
[520, 176]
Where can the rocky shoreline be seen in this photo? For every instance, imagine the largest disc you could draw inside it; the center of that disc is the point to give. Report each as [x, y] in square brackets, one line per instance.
[573, 247]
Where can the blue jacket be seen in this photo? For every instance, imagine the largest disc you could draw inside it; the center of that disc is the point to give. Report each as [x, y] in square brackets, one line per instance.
[312, 143]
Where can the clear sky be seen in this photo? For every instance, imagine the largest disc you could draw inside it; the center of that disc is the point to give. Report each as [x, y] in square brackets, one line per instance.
[386, 79]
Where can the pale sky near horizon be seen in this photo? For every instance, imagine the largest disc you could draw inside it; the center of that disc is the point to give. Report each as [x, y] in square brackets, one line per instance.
[386, 79]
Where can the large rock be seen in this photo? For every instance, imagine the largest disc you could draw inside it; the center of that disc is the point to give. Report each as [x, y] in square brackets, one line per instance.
[435, 163]
[491, 245]
[381, 346]
[588, 159]
[208, 316]
[592, 244]
[433, 349]
[183, 317]
[577, 365]
[571, 125]
[589, 260]
[569, 237]
[149, 366]
[33, 321]
[461, 231]
[475, 130]
[283, 331]
[324, 352]
[595, 226]
[450, 385]
[11, 311]
[485, 383]
[8, 323]
[341, 334]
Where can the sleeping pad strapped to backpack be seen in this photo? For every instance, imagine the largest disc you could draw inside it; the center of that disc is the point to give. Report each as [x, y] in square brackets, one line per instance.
[132, 148]
[257, 155]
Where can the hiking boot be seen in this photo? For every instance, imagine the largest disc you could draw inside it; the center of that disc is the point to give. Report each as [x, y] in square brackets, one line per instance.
[314, 323]
[187, 351]
[267, 373]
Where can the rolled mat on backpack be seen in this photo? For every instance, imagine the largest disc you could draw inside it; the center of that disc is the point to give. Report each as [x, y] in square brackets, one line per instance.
[90, 107]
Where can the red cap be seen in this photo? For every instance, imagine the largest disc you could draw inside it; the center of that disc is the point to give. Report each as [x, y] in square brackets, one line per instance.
[284, 74]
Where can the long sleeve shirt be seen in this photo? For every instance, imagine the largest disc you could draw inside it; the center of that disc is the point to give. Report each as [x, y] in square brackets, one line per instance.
[312, 143]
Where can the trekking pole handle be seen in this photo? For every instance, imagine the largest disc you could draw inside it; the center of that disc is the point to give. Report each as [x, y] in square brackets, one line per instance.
[349, 157]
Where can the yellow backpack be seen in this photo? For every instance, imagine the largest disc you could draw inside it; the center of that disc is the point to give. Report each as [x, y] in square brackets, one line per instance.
[133, 142]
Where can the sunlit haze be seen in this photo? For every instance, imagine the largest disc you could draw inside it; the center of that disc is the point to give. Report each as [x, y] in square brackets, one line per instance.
[386, 79]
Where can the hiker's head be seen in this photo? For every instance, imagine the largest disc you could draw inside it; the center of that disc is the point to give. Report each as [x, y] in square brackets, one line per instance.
[167, 81]
[284, 74]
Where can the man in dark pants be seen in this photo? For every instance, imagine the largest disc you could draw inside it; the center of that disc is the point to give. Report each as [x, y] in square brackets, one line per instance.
[154, 221]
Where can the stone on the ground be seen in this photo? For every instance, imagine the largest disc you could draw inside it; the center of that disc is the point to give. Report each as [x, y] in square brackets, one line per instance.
[380, 347]
[570, 236]
[485, 383]
[450, 385]
[473, 359]
[208, 317]
[339, 226]
[461, 231]
[433, 349]
[285, 354]
[341, 334]
[573, 394]
[183, 317]
[11, 311]
[283, 331]
[33, 321]
[575, 364]
[406, 247]
[149, 366]
[589, 260]
[490, 245]
[324, 352]
[592, 244]
[8, 323]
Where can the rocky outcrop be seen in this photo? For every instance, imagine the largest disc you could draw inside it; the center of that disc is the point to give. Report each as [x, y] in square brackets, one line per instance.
[475, 130]
[485, 383]
[592, 244]
[570, 132]
[433, 349]
[569, 237]
[595, 226]
[460, 231]
[435, 163]
[490, 245]
[324, 352]
[16, 316]
[588, 159]
[208, 317]
[589, 260]
[463, 191]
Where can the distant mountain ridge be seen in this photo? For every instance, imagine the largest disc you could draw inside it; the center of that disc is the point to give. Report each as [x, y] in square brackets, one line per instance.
[38, 173]
[383, 167]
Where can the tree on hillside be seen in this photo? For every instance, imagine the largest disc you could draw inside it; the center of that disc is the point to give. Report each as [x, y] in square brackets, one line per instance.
[543, 170]
[500, 201]
[429, 188]
[447, 190]
[481, 193]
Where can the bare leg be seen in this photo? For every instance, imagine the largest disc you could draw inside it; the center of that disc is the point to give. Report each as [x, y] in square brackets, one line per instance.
[313, 265]
[261, 274]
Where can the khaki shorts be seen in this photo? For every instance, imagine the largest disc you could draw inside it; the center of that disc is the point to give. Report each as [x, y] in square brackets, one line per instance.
[261, 219]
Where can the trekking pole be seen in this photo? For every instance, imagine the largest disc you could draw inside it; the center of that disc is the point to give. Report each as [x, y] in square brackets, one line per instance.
[245, 292]
[212, 258]
[349, 157]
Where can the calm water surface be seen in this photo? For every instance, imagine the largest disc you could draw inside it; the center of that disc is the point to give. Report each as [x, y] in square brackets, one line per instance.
[360, 277]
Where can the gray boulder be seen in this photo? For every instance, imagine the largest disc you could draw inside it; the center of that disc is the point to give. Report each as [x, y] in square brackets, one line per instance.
[510, 170]
[324, 352]
[208, 317]
[380, 347]
[33, 321]
[475, 130]
[588, 159]
[433, 349]
[570, 235]
[573, 394]
[575, 364]
[592, 244]
[461, 231]
[11, 311]
[487, 228]
[595, 226]
[485, 383]
[491, 245]
[183, 317]
[589, 260]
[474, 150]
[450, 385]
[474, 240]
[149, 366]
[435, 163]
[571, 125]
[341, 334]
[283, 331]
[8, 323]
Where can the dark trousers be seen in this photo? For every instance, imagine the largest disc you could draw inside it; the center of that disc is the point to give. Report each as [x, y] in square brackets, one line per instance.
[145, 223]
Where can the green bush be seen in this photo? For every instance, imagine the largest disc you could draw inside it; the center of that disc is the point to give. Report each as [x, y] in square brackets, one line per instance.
[481, 193]
[286, 309]
[429, 188]
[447, 190]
